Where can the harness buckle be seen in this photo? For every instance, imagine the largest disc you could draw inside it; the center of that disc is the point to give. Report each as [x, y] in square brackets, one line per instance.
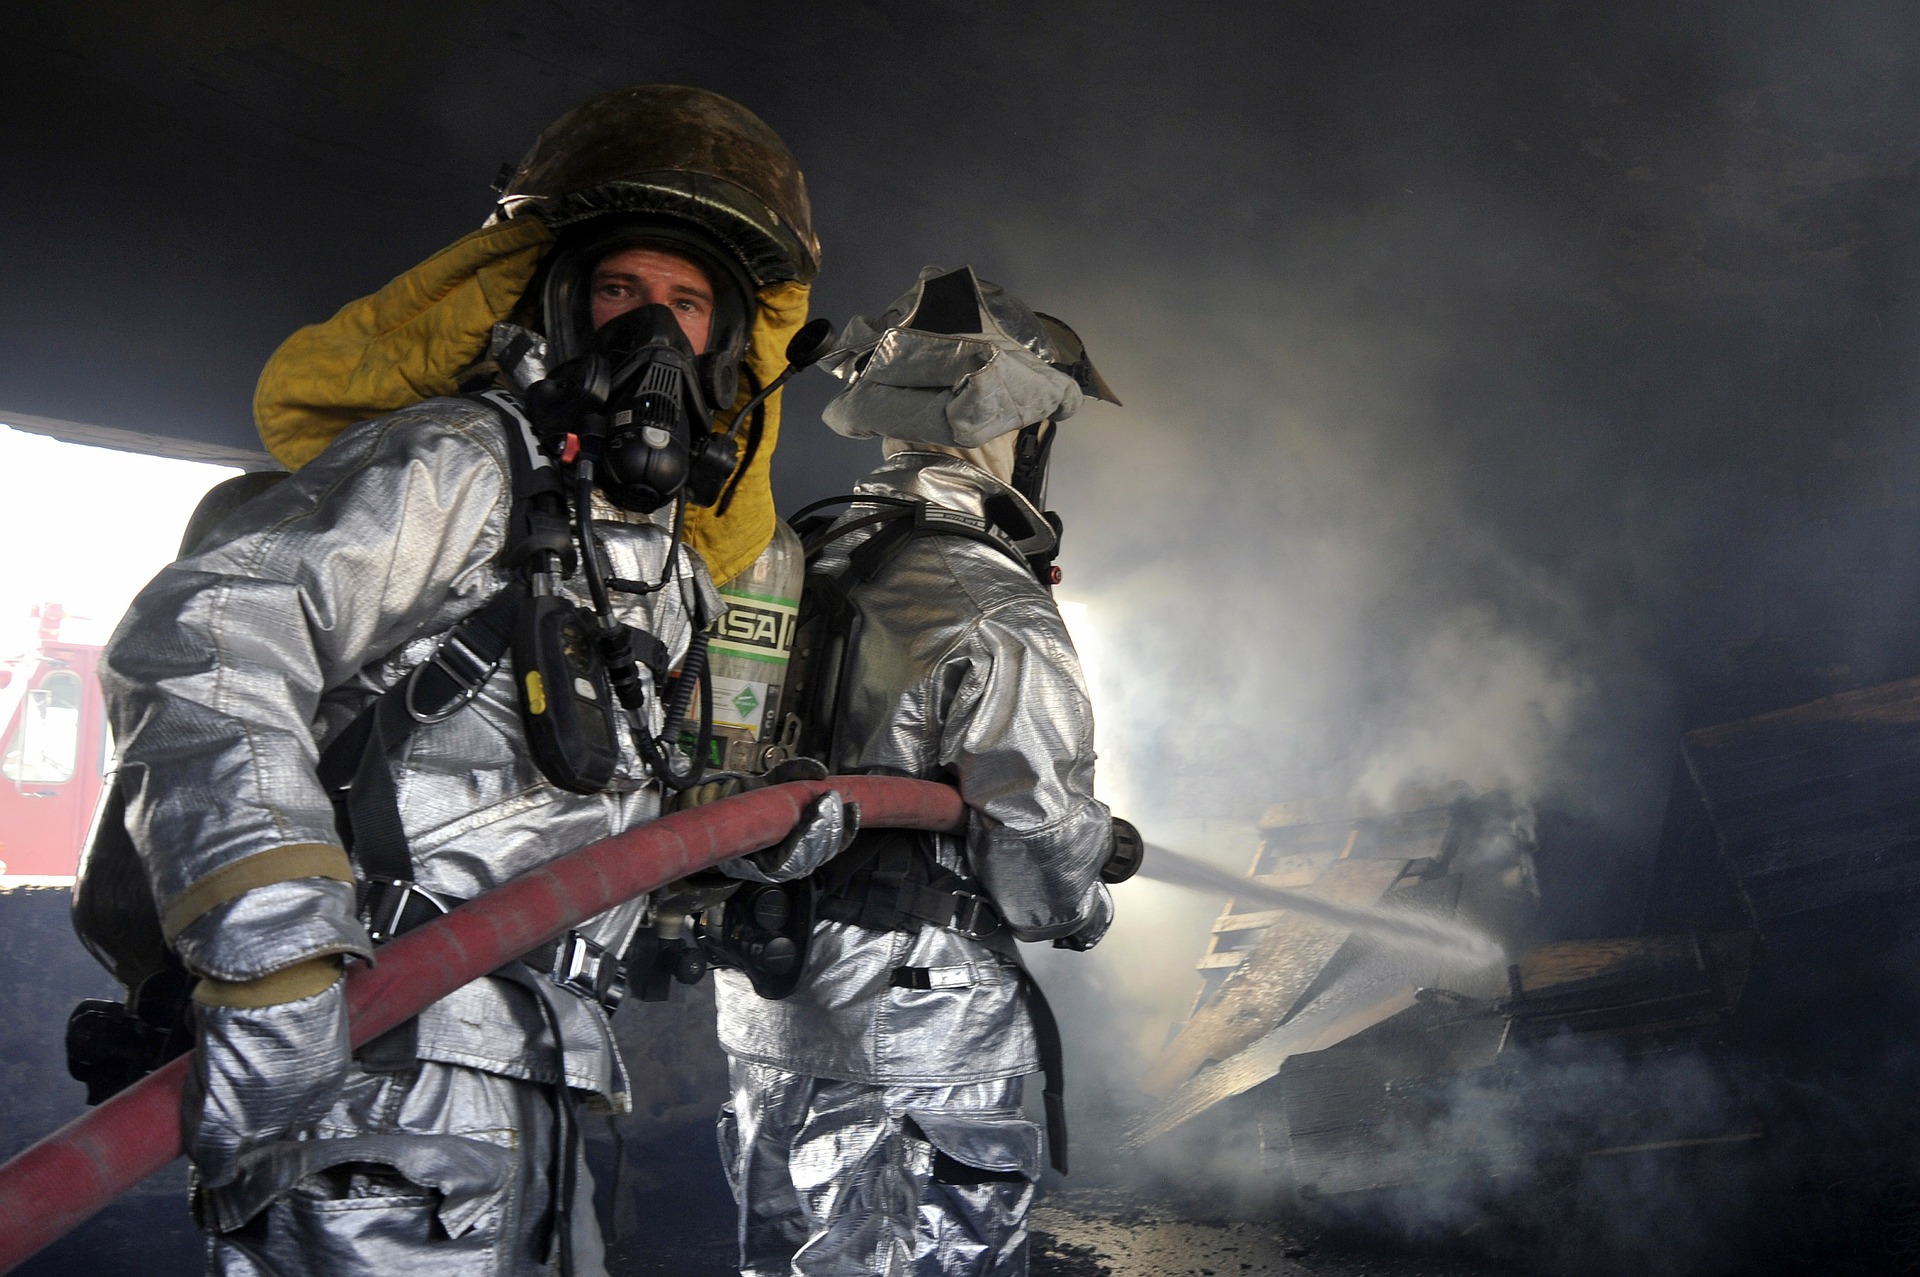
[465, 668]
[974, 916]
[389, 908]
[589, 969]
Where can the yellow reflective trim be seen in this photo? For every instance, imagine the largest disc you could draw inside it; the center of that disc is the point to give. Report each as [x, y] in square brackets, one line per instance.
[230, 882]
[288, 984]
[536, 693]
[423, 330]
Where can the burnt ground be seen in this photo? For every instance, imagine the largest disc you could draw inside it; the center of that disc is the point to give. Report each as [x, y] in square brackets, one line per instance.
[1091, 1232]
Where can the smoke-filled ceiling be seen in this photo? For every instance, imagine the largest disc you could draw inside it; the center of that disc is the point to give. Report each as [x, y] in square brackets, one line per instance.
[1508, 384]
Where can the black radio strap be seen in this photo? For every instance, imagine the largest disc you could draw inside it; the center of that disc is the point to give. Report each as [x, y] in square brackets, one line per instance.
[356, 766]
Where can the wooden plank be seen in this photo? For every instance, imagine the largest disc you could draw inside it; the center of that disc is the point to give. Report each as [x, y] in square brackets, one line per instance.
[1864, 790]
[1886, 704]
[1787, 850]
[1818, 803]
[1840, 754]
[1249, 921]
[1883, 872]
[1261, 990]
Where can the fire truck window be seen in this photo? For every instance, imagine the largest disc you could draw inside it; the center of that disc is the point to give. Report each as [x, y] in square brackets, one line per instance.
[47, 739]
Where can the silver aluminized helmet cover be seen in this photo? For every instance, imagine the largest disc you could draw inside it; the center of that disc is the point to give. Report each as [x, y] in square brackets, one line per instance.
[955, 361]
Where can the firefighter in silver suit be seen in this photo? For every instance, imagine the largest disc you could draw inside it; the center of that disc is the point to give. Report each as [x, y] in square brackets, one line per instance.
[875, 1124]
[446, 1150]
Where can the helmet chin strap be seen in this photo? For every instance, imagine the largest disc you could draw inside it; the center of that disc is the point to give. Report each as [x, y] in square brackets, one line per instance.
[1031, 451]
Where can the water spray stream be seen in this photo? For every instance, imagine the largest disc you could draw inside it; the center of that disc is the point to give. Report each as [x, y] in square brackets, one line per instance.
[1400, 927]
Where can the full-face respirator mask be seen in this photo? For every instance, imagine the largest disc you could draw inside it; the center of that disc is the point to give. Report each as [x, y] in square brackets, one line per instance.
[636, 400]
[638, 408]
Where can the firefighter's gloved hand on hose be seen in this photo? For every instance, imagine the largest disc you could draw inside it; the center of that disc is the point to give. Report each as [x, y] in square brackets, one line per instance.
[272, 1017]
[824, 831]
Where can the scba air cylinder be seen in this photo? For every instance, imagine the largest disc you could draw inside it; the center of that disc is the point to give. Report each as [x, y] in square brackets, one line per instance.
[747, 656]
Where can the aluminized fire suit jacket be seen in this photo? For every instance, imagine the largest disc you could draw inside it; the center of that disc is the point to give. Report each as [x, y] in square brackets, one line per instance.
[237, 664]
[964, 673]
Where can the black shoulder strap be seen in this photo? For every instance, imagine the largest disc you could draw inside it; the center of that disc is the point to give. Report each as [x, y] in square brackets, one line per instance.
[817, 531]
[356, 766]
[537, 521]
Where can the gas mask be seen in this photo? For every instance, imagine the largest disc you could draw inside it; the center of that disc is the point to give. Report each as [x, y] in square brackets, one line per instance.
[639, 405]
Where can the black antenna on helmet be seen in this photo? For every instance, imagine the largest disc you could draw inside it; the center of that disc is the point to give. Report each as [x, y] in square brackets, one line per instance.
[803, 351]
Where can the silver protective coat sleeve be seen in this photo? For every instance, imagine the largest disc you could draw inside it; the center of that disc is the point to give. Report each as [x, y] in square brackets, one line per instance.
[235, 666]
[964, 673]
[815, 840]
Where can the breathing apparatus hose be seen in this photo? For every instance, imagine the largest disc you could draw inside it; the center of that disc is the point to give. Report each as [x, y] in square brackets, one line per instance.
[658, 751]
[55, 1185]
[616, 650]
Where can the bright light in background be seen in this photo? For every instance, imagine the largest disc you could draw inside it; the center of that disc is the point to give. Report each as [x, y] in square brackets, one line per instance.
[1159, 932]
[1087, 642]
[86, 528]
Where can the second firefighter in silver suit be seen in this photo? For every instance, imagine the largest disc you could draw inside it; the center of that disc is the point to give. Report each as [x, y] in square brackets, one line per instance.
[875, 1125]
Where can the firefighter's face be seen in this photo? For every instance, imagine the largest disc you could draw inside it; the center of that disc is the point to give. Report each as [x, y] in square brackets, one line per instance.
[635, 277]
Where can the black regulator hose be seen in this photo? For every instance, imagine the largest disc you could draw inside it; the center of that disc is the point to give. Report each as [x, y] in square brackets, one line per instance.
[623, 668]
[692, 670]
[658, 750]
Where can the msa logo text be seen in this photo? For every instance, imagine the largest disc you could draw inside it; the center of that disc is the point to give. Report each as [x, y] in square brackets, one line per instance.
[751, 626]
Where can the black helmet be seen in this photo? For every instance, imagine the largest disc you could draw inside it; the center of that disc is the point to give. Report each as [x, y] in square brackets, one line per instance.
[684, 156]
[670, 167]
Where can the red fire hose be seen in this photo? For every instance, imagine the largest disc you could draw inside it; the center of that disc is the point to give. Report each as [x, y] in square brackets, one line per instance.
[52, 1187]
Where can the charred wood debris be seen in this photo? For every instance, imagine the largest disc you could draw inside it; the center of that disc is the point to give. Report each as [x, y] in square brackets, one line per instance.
[1731, 1088]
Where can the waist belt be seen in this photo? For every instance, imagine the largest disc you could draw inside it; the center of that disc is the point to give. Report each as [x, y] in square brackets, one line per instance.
[897, 906]
[888, 880]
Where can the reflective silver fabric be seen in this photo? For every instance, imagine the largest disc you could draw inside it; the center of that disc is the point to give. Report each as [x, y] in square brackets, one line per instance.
[235, 665]
[272, 927]
[260, 1072]
[438, 1171]
[964, 672]
[819, 836]
[845, 1179]
[959, 390]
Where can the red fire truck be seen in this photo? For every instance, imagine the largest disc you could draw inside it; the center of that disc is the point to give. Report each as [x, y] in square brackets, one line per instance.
[53, 750]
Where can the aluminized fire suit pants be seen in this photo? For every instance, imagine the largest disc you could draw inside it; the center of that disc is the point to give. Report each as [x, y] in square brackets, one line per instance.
[854, 1179]
[438, 1171]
